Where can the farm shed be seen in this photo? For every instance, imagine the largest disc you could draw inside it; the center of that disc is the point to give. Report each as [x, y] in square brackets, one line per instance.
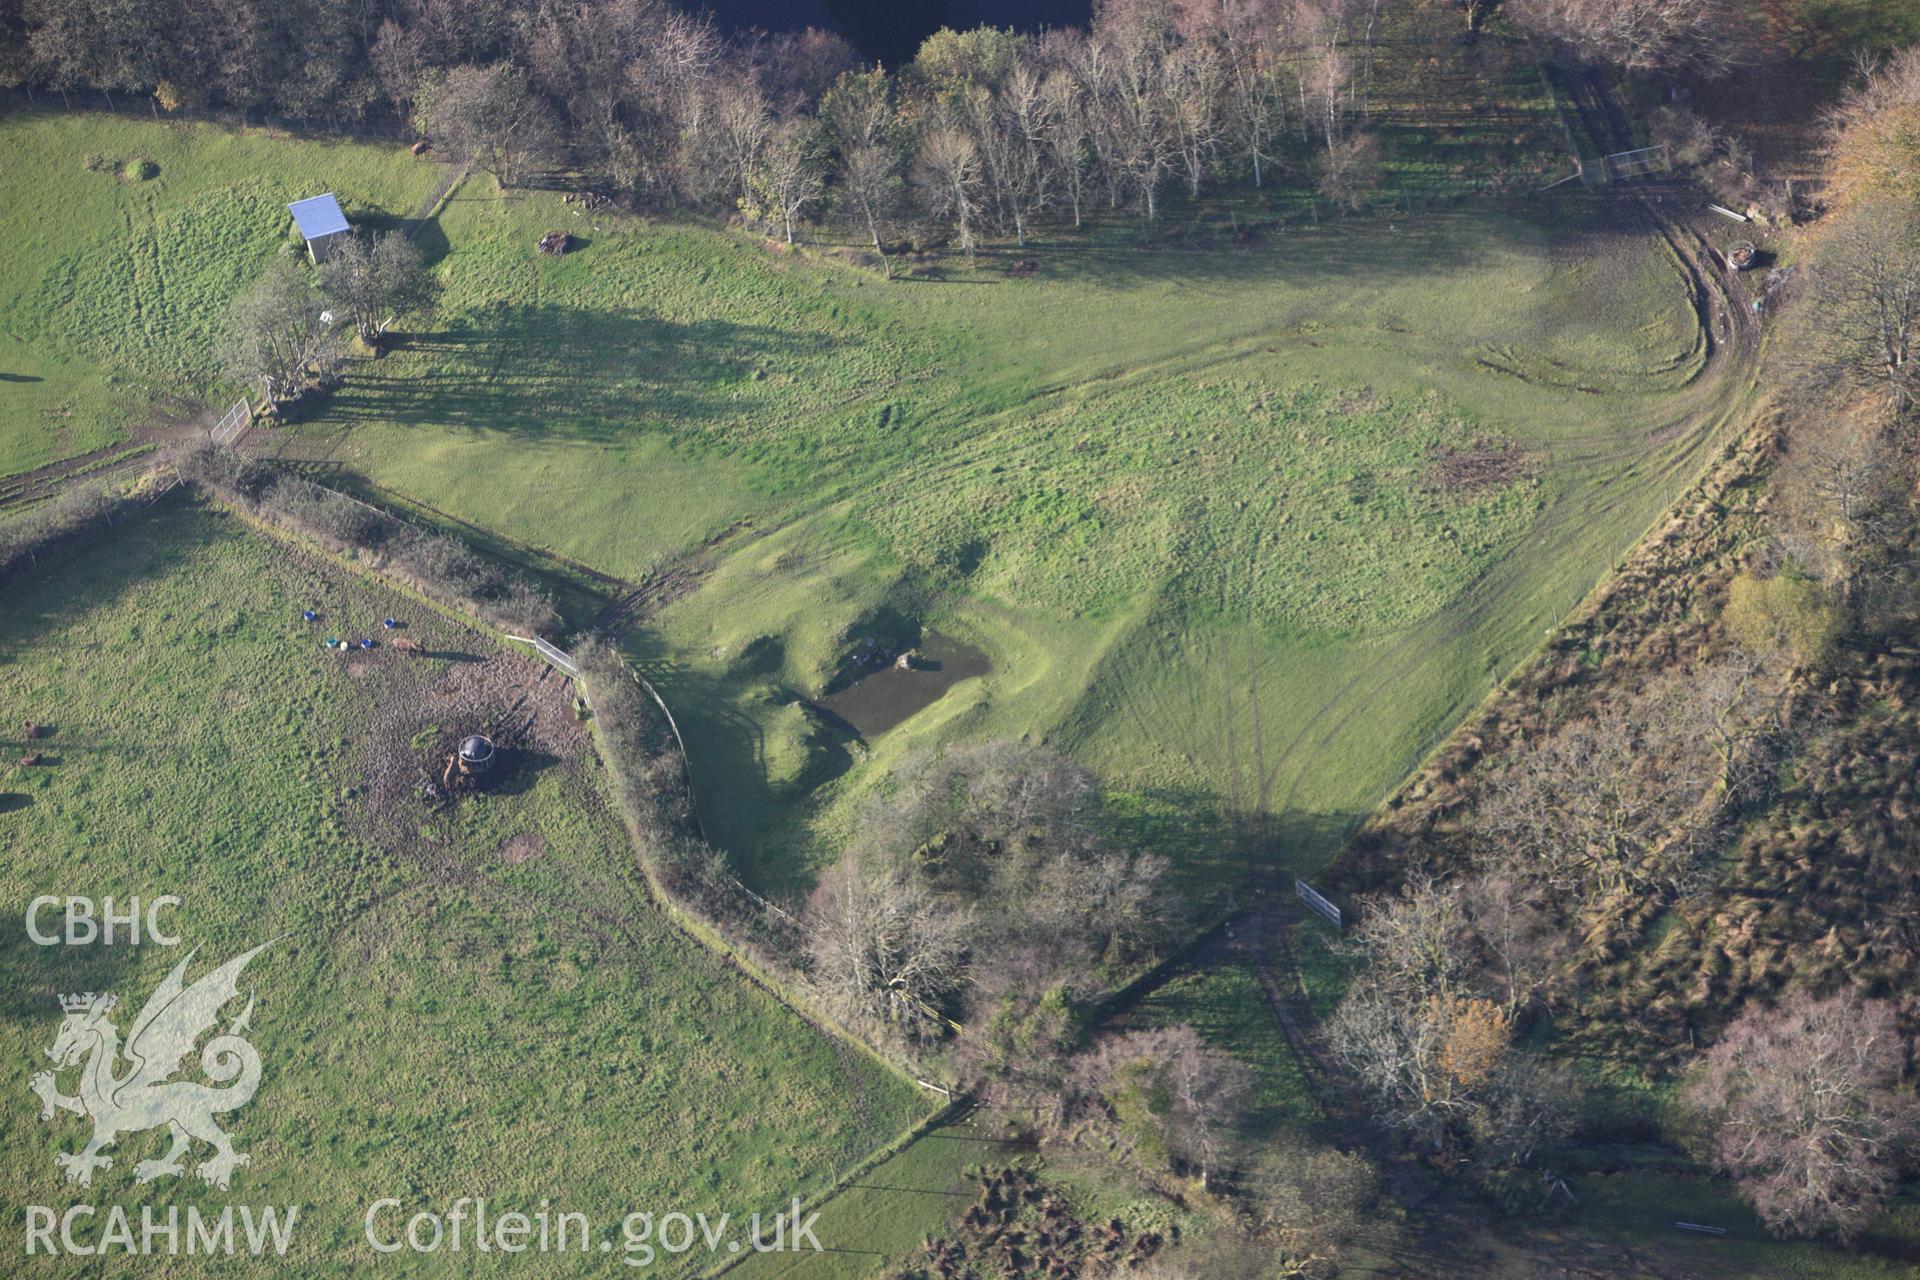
[321, 224]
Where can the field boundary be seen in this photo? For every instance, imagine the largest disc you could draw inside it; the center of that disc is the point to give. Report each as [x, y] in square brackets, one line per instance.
[958, 1109]
[699, 930]
[705, 930]
[23, 98]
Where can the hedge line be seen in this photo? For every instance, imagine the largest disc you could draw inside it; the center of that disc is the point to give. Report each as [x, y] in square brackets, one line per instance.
[439, 567]
[23, 538]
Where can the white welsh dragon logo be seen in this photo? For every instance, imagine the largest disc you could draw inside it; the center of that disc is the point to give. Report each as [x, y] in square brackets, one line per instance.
[143, 1096]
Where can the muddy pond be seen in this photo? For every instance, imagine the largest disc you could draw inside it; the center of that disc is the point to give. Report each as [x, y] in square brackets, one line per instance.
[882, 698]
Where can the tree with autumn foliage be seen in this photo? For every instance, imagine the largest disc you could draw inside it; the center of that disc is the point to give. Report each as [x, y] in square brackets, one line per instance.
[1428, 1028]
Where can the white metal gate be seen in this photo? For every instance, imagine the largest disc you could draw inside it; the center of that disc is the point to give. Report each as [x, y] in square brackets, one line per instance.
[1320, 906]
[234, 424]
[1631, 164]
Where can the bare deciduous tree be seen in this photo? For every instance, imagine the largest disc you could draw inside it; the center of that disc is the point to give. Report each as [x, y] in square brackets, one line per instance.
[870, 188]
[491, 116]
[887, 947]
[1626, 799]
[947, 173]
[1872, 129]
[1174, 1097]
[581, 54]
[1866, 303]
[1135, 39]
[1350, 170]
[1420, 1033]
[1064, 135]
[275, 336]
[1711, 36]
[786, 178]
[1194, 90]
[741, 125]
[1521, 944]
[1807, 1111]
[1310, 1201]
[374, 279]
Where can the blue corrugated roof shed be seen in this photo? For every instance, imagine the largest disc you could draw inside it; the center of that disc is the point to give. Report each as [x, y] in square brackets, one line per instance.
[318, 216]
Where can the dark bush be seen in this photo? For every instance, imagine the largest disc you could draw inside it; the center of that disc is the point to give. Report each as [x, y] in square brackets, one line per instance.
[227, 472]
[328, 516]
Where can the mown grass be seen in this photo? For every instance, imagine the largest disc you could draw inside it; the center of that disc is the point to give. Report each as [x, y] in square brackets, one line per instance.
[435, 1021]
[114, 289]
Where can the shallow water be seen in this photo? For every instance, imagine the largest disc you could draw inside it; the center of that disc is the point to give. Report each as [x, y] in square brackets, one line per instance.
[879, 700]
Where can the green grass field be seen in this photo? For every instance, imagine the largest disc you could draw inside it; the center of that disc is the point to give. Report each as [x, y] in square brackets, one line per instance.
[1224, 1002]
[478, 1001]
[1131, 519]
[1128, 514]
[1358, 466]
[115, 286]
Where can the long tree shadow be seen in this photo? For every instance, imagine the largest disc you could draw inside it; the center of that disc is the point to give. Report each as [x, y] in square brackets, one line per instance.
[34, 975]
[92, 571]
[1373, 249]
[543, 371]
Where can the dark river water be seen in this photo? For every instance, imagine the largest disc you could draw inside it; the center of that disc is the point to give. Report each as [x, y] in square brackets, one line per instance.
[890, 30]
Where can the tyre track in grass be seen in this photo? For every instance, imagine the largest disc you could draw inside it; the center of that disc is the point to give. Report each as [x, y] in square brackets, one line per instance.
[1733, 335]
[1699, 410]
[1724, 395]
[1729, 369]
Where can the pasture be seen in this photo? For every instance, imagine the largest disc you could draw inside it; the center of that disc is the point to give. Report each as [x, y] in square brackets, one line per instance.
[118, 274]
[466, 1000]
[1245, 510]
[1367, 468]
[1351, 469]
